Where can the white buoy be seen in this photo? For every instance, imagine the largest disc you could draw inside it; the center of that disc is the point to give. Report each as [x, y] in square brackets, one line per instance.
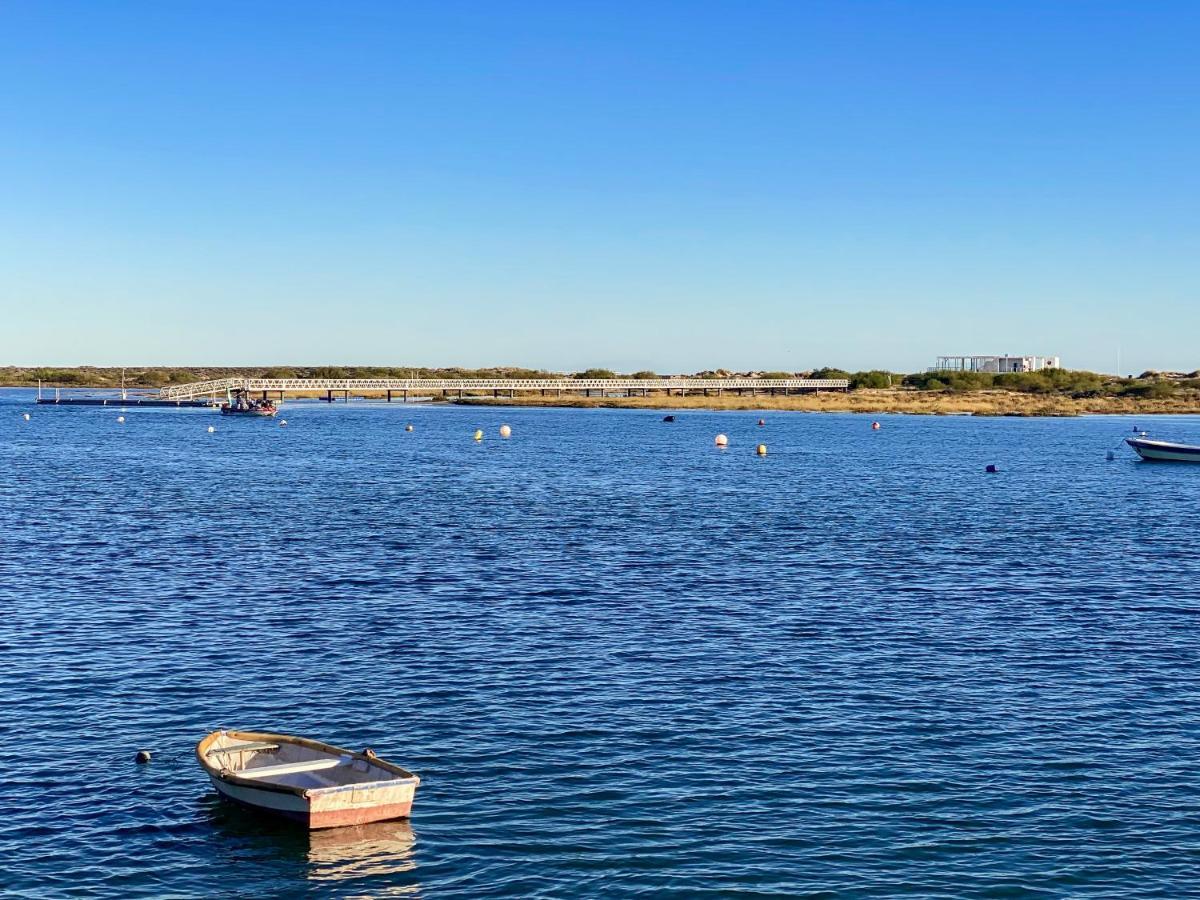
[408, 427]
[505, 431]
[121, 420]
[26, 417]
[282, 422]
[721, 440]
[211, 429]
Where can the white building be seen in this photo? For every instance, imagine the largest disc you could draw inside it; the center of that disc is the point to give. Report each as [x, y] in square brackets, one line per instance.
[996, 364]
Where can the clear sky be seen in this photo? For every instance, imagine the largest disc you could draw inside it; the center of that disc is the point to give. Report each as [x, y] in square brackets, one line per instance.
[664, 185]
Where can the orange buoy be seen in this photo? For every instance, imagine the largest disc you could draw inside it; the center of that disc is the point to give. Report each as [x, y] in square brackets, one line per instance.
[721, 440]
[505, 431]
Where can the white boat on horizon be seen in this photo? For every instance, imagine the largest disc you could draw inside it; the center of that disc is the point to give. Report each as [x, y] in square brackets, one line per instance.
[315, 784]
[1164, 451]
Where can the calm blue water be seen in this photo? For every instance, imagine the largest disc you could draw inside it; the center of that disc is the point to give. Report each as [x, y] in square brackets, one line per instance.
[621, 660]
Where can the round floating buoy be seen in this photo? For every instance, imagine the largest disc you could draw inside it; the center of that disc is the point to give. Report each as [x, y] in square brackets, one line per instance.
[875, 426]
[282, 422]
[721, 440]
[1135, 428]
[211, 429]
[408, 427]
[26, 417]
[121, 419]
[505, 431]
[762, 422]
[479, 434]
[665, 418]
[991, 469]
[143, 756]
[761, 450]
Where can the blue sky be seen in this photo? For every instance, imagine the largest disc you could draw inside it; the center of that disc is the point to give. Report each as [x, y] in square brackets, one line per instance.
[659, 185]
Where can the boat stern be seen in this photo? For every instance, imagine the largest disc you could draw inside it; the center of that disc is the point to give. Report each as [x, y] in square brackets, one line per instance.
[359, 804]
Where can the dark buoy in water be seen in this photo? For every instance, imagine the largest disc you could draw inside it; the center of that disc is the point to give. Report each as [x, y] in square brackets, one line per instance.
[1135, 428]
[875, 426]
[1109, 456]
[143, 756]
[991, 469]
[668, 418]
[762, 422]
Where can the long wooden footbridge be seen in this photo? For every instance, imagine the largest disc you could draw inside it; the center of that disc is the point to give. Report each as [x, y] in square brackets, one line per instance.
[404, 388]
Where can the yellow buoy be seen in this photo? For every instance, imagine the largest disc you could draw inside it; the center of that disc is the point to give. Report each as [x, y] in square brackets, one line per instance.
[408, 428]
[505, 431]
[479, 434]
[762, 450]
[721, 440]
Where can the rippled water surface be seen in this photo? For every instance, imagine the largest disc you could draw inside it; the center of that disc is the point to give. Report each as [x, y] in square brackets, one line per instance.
[621, 660]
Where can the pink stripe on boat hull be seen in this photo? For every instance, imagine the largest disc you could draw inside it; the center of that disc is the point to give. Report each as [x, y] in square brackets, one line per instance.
[335, 818]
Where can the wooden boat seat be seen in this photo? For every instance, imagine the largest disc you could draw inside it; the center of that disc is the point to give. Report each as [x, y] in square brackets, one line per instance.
[308, 765]
[238, 748]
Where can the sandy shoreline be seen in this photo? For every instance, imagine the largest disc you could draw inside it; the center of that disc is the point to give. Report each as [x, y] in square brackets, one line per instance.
[932, 403]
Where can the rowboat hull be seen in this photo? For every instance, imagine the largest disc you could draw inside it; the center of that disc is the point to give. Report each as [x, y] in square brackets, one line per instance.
[1162, 451]
[308, 782]
[326, 811]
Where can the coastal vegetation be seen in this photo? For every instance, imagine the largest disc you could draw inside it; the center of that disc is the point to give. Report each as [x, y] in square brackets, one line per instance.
[1048, 392]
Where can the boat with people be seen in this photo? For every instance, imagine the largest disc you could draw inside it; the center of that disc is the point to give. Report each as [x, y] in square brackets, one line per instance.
[240, 403]
[315, 784]
[1163, 451]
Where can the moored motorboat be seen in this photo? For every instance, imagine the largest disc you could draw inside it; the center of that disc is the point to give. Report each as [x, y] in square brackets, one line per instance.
[241, 404]
[315, 784]
[1164, 451]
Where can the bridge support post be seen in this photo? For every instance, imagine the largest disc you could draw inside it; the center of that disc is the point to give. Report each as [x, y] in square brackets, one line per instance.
[389, 393]
[329, 396]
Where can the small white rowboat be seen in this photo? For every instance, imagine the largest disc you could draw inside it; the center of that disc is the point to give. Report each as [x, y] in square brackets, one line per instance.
[315, 784]
[1162, 451]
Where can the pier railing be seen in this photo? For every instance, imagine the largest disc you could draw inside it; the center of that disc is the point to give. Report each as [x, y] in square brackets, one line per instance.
[283, 386]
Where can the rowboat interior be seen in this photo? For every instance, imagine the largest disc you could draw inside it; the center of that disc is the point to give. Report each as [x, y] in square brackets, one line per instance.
[292, 765]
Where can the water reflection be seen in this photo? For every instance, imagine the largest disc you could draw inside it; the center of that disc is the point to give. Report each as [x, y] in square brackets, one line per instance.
[379, 856]
[379, 850]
